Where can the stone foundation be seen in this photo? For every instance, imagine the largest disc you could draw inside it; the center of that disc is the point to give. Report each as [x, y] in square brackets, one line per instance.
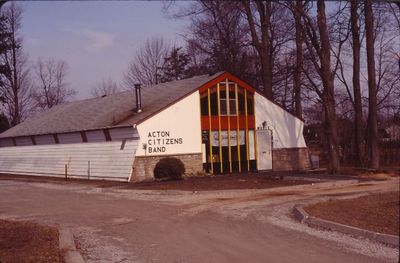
[290, 159]
[143, 166]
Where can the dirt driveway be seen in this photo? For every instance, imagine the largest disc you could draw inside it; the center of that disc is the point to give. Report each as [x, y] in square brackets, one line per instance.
[124, 225]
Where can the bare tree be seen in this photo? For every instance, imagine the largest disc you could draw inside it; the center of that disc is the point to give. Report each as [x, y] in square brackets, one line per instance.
[145, 68]
[386, 49]
[372, 138]
[51, 87]
[16, 81]
[106, 87]
[318, 44]
[261, 39]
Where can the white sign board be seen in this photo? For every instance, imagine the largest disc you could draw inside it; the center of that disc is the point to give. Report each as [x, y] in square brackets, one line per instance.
[224, 138]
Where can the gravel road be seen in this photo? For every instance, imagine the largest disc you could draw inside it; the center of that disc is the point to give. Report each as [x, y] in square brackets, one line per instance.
[120, 225]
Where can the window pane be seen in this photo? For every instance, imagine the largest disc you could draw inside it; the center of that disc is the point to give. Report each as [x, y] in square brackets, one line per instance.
[250, 104]
[232, 105]
[241, 104]
[204, 106]
[214, 104]
[223, 107]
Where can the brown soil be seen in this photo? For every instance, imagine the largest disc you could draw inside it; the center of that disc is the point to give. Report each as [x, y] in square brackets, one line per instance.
[225, 182]
[377, 212]
[219, 182]
[28, 242]
[382, 173]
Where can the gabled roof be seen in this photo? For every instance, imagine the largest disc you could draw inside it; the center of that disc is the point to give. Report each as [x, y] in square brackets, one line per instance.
[110, 111]
[117, 110]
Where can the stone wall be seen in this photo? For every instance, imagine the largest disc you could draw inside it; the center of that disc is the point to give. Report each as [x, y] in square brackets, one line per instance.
[290, 159]
[143, 166]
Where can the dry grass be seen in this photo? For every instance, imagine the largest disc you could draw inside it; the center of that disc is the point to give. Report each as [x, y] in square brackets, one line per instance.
[377, 212]
[28, 242]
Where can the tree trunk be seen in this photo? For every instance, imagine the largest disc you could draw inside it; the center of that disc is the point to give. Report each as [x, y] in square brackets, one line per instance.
[358, 129]
[16, 118]
[265, 19]
[299, 59]
[372, 134]
[328, 92]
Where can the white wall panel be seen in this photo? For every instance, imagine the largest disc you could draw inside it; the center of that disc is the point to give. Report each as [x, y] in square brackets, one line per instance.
[22, 141]
[95, 136]
[175, 130]
[44, 139]
[73, 137]
[4, 142]
[287, 129]
[123, 133]
[107, 160]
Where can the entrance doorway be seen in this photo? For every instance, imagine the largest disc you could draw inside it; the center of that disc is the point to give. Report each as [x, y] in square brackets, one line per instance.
[264, 149]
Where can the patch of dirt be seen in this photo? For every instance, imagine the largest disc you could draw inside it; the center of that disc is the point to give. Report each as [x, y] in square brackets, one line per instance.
[383, 173]
[376, 212]
[220, 182]
[28, 242]
[206, 183]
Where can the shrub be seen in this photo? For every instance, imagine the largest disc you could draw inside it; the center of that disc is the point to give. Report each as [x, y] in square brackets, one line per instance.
[169, 168]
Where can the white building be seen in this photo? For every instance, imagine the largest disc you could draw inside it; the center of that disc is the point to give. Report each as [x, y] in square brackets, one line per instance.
[214, 124]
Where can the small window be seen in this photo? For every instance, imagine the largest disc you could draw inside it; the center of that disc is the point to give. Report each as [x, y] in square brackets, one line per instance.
[224, 105]
[204, 106]
[214, 104]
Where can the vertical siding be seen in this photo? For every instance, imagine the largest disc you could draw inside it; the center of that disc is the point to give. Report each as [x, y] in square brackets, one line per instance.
[23, 141]
[73, 137]
[95, 136]
[44, 139]
[107, 160]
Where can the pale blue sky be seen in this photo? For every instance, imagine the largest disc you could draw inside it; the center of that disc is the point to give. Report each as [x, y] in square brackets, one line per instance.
[96, 38]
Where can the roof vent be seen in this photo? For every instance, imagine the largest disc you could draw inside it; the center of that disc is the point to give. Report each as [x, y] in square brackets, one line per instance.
[138, 96]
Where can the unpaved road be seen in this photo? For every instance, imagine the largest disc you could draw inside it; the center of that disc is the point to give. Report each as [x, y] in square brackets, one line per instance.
[117, 225]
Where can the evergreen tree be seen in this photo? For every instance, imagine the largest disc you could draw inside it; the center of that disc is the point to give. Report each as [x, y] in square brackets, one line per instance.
[175, 65]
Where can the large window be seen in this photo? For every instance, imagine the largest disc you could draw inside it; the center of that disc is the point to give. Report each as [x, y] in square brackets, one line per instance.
[227, 102]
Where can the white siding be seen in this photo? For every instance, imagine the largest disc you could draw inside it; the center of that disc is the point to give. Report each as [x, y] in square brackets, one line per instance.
[95, 136]
[287, 130]
[22, 141]
[175, 130]
[107, 160]
[4, 142]
[73, 137]
[44, 139]
[123, 133]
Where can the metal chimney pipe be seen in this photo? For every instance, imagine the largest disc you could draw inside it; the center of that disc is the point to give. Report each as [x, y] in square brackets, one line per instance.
[138, 96]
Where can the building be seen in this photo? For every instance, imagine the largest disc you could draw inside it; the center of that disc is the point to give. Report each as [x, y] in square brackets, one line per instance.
[214, 124]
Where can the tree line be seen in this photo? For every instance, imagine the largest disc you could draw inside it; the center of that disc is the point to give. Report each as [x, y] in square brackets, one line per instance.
[26, 86]
[332, 63]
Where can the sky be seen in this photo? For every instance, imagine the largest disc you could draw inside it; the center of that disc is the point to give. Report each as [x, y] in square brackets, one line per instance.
[96, 38]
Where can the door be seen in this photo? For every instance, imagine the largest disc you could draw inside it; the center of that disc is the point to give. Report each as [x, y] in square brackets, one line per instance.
[264, 150]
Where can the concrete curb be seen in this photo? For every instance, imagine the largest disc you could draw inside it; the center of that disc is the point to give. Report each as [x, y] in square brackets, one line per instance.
[304, 217]
[67, 244]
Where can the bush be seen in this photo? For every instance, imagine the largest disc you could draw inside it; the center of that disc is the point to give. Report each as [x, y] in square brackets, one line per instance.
[169, 168]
